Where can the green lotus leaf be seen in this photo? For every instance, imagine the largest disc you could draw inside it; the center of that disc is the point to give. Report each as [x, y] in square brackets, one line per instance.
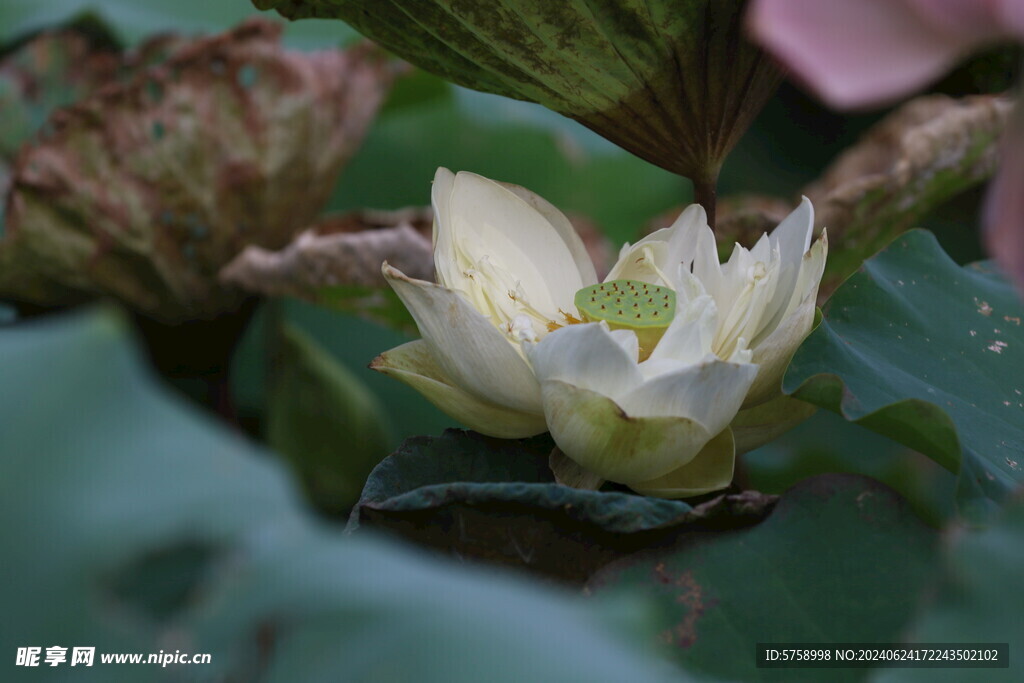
[673, 81]
[930, 354]
[497, 500]
[841, 558]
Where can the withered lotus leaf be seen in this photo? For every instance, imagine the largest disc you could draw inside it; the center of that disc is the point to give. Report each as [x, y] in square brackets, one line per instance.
[672, 81]
[143, 190]
[52, 69]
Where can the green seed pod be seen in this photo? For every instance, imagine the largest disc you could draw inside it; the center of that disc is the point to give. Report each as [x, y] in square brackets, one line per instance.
[643, 308]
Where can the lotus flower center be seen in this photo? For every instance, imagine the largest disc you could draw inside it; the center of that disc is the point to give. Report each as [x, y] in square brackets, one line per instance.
[645, 309]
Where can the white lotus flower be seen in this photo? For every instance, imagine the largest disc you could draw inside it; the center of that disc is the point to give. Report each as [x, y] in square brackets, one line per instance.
[636, 378]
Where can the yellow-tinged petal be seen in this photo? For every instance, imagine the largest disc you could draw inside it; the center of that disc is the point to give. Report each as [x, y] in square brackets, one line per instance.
[470, 351]
[710, 470]
[413, 364]
[592, 430]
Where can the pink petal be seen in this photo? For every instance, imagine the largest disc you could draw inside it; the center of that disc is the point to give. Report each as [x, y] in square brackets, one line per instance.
[974, 21]
[1004, 206]
[856, 52]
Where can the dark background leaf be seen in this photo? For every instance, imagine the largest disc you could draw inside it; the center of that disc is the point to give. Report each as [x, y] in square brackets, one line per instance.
[496, 500]
[141, 526]
[841, 559]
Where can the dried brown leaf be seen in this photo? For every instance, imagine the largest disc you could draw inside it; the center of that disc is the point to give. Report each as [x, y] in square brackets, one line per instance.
[921, 155]
[344, 250]
[145, 189]
[337, 261]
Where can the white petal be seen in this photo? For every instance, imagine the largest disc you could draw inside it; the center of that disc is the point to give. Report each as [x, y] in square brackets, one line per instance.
[413, 364]
[792, 238]
[689, 337]
[565, 229]
[793, 234]
[709, 393]
[710, 470]
[592, 430]
[488, 220]
[748, 305]
[689, 287]
[467, 347]
[445, 264]
[670, 247]
[774, 352]
[588, 356]
[706, 267]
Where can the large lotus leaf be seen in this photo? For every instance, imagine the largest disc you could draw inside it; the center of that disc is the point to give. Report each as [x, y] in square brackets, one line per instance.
[827, 443]
[978, 601]
[672, 81]
[144, 190]
[497, 500]
[842, 558]
[930, 354]
[131, 523]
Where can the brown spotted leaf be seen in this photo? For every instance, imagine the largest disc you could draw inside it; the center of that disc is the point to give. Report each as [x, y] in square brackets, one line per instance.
[930, 354]
[50, 70]
[144, 190]
[673, 81]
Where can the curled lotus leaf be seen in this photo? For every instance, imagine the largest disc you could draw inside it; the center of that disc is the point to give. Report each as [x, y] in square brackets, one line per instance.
[145, 189]
[336, 263]
[673, 81]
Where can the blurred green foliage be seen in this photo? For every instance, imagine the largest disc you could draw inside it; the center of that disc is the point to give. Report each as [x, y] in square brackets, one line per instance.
[140, 525]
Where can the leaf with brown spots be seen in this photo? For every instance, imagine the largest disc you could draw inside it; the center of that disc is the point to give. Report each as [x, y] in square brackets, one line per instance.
[673, 81]
[926, 352]
[842, 558]
[145, 189]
